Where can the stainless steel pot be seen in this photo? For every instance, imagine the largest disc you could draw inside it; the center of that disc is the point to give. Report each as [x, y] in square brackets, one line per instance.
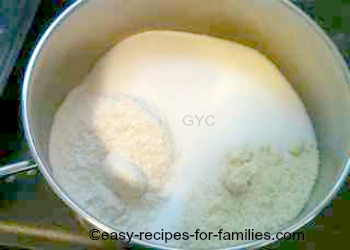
[307, 57]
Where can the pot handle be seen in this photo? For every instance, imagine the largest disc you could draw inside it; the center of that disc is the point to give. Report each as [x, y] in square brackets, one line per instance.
[15, 168]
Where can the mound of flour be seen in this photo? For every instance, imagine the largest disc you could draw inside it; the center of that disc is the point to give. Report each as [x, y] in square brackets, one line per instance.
[120, 148]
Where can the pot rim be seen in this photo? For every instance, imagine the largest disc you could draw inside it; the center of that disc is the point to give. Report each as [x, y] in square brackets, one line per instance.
[95, 222]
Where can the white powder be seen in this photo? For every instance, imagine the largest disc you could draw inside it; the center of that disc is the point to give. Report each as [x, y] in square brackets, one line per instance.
[121, 134]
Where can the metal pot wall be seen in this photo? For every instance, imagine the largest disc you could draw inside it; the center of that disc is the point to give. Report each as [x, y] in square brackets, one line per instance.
[306, 56]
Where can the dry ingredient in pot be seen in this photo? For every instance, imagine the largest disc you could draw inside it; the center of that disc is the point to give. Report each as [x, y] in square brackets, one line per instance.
[120, 148]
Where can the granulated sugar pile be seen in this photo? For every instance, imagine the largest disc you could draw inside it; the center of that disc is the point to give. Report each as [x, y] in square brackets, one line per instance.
[121, 149]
